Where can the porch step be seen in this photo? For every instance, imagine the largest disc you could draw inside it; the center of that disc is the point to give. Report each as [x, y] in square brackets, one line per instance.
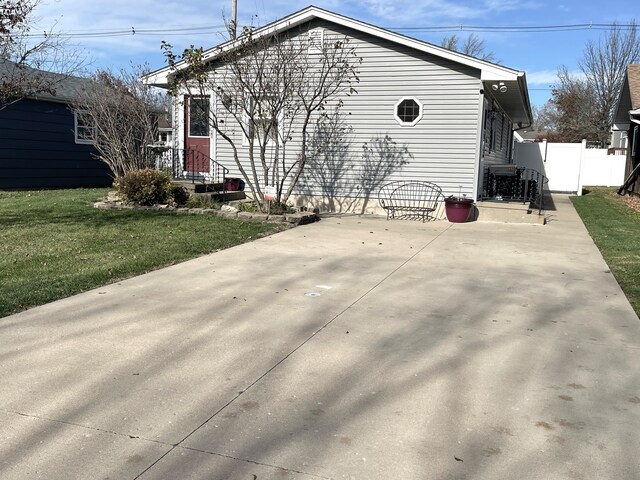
[199, 187]
[507, 212]
[222, 196]
[228, 196]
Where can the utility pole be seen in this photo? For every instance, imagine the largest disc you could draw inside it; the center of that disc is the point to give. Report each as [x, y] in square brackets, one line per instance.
[233, 24]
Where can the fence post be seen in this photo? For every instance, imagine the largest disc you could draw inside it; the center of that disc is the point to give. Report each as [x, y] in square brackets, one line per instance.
[583, 148]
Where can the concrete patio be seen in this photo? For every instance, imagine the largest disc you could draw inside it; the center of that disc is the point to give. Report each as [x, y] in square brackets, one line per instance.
[354, 348]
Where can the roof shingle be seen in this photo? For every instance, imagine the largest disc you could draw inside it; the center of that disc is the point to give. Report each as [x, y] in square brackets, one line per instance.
[633, 75]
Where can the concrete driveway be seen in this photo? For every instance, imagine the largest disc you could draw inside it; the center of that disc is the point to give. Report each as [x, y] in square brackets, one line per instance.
[352, 348]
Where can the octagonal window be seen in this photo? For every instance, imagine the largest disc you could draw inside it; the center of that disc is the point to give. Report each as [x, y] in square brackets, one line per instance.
[408, 111]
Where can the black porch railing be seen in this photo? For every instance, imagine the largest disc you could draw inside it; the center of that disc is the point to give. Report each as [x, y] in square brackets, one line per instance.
[510, 182]
[190, 165]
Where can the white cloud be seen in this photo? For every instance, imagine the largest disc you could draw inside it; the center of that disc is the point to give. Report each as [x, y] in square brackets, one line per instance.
[542, 77]
[81, 16]
[428, 11]
[75, 16]
[435, 12]
[549, 77]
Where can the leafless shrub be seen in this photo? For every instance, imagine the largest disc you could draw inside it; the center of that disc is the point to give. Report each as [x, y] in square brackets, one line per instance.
[122, 112]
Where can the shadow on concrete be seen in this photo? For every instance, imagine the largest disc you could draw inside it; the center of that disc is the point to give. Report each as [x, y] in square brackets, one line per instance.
[432, 369]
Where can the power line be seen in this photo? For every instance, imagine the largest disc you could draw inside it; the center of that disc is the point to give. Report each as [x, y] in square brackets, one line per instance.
[203, 30]
[521, 29]
[208, 29]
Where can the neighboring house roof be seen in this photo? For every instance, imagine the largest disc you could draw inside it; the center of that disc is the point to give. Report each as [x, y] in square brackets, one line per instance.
[629, 101]
[633, 76]
[43, 85]
[526, 135]
[164, 122]
[515, 101]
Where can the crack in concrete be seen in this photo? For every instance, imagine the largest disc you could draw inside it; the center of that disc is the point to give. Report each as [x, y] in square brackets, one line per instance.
[86, 427]
[245, 460]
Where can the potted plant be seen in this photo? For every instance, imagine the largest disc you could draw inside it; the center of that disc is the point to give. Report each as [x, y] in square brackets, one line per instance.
[457, 208]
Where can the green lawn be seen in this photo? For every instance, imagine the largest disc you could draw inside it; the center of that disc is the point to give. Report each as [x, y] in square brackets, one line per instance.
[54, 243]
[615, 228]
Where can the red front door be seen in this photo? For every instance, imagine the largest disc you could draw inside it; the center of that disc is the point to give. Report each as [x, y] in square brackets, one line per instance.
[197, 138]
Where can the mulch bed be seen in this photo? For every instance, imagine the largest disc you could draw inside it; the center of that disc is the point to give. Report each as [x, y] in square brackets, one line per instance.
[633, 201]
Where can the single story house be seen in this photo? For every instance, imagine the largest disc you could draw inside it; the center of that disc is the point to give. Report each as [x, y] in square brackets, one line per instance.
[44, 143]
[627, 119]
[455, 114]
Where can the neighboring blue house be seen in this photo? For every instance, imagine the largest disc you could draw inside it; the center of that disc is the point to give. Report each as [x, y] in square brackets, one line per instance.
[44, 144]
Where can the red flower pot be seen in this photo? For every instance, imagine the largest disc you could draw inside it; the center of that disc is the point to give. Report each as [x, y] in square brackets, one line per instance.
[457, 209]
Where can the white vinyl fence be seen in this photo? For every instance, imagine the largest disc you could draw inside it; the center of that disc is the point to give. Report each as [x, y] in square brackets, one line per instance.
[569, 166]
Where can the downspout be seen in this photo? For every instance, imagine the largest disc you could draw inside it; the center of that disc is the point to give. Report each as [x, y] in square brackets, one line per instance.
[479, 173]
[525, 95]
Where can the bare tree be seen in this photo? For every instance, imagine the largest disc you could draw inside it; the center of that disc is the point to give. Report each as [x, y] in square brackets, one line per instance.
[544, 118]
[604, 64]
[119, 113]
[572, 111]
[30, 64]
[473, 46]
[268, 90]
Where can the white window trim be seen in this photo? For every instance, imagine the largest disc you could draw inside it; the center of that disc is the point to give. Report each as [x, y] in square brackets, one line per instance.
[417, 119]
[83, 141]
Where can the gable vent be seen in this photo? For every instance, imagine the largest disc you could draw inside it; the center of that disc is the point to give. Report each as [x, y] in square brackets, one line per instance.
[316, 40]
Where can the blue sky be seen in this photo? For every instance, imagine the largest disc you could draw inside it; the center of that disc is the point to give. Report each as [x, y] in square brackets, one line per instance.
[200, 22]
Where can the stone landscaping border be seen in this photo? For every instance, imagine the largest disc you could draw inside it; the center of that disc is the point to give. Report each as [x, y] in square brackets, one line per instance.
[297, 218]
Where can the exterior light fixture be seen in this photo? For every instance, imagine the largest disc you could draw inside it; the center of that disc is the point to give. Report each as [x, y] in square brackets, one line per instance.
[499, 86]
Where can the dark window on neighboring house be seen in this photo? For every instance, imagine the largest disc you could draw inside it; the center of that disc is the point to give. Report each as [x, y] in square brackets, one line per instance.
[408, 111]
[84, 128]
[199, 117]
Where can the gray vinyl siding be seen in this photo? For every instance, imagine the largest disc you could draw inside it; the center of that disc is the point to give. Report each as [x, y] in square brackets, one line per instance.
[444, 143]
